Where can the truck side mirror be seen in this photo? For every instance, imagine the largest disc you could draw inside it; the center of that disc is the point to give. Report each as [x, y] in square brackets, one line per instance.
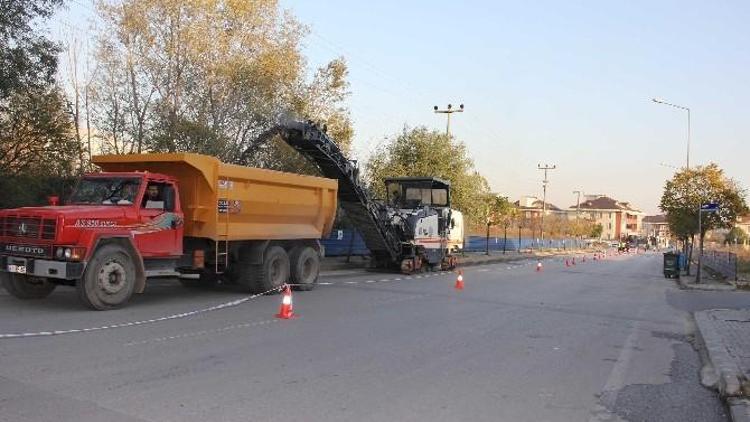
[169, 198]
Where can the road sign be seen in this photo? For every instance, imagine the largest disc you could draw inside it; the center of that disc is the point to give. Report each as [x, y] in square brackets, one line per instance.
[711, 207]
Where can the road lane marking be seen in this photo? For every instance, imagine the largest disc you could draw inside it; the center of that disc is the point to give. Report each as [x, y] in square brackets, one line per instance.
[201, 333]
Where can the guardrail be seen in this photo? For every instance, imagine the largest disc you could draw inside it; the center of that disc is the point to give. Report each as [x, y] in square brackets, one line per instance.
[725, 263]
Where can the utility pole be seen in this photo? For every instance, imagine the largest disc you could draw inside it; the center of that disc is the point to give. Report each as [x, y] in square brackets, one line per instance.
[448, 111]
[578, 203]
[544, 195]
[578, 213]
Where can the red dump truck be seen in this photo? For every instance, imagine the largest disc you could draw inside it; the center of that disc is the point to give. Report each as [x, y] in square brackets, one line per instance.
[184, 215]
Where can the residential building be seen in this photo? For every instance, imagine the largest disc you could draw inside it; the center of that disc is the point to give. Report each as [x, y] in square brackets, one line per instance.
[617, 218]
[531, 207]
[656, 227]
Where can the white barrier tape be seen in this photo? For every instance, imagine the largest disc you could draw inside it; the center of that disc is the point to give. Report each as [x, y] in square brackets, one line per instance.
[180, 315]
[142, 322]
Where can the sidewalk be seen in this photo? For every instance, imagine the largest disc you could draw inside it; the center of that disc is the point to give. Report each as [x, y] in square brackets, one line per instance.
[725, 335]
[708, 282]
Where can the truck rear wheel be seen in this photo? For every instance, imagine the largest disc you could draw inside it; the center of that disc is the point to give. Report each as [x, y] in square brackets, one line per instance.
[305, 267]
[27, 287]
[109, 280]
[273, 273]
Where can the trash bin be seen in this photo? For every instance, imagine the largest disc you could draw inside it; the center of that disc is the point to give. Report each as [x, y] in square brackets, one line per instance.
[671, 265]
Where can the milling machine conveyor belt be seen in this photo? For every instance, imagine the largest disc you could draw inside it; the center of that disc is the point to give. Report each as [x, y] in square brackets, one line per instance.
[366, 214]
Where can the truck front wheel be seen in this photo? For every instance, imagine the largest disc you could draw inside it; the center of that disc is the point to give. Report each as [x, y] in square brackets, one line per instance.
[305, 265]
[109, 280]
[27, 287]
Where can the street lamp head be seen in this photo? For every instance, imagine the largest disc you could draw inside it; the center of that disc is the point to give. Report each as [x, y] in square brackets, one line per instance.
[449, 106]
[462, 106]
[658, 100]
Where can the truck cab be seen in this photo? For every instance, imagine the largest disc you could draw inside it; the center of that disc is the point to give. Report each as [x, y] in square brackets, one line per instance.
[113, 221]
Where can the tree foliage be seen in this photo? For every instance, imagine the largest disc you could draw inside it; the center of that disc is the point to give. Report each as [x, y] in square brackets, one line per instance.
[689, 189]
[36, 134]
[36, 140]
[596, 231]
[736, 236]
[423, 152]
[210, 76]
[28, 60]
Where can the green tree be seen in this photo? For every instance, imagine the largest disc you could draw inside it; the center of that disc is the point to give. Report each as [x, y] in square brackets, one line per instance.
[495, 210]
[423, 152]
[38, 152]
[28, 60]
[210, 76]
[596, 231]
[688, 190]
[736, 236]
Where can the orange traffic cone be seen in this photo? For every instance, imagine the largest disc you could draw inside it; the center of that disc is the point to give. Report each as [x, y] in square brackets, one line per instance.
[460, 280]
[539, 266]
[286, 311]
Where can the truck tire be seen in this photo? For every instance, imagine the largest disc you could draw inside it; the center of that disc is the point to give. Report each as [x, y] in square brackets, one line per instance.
[27, 287]
[305, 267]
[109, 279]
[273, 273]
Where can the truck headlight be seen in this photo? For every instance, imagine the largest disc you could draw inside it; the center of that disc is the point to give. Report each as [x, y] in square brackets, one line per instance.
[70, 253]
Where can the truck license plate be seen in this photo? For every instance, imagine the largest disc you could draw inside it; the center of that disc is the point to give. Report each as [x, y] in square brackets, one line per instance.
[20, 269]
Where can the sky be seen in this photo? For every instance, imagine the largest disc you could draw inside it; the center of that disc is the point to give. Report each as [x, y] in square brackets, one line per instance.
[560, 83]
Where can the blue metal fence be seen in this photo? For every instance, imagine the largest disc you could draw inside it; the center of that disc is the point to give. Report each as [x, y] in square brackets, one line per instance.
[344, 242]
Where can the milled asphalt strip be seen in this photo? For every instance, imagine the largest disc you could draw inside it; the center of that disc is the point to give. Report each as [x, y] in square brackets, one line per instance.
[616, 380]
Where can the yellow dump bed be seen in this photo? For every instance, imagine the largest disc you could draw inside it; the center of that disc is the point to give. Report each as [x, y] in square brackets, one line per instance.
[230, 202]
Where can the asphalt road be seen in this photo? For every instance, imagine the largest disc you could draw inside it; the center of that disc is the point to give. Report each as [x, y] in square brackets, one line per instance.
[601, 341]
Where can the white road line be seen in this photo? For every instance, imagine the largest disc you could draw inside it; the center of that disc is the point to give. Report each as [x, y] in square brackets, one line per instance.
[351, 282]
[385, 279]
[325, 284]
[370, 281]
[200, 333]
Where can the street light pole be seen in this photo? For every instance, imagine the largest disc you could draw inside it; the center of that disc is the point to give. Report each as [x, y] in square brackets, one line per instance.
[448, 111]
[578, 213]
[661, 101]
[544, 195]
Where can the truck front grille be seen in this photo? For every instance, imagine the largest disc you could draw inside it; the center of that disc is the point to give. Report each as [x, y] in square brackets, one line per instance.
[29, 227]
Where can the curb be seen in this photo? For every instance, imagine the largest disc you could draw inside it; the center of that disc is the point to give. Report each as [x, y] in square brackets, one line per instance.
[726, 287]
[729, 382]
[499, 259]
[739, 409]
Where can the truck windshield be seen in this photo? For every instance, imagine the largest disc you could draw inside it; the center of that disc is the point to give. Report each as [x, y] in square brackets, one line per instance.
[106, 191]
[416, 195]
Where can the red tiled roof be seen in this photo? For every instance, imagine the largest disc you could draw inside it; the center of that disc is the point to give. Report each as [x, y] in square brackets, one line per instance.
[537, 205]
[655, 219]
[605, 203]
